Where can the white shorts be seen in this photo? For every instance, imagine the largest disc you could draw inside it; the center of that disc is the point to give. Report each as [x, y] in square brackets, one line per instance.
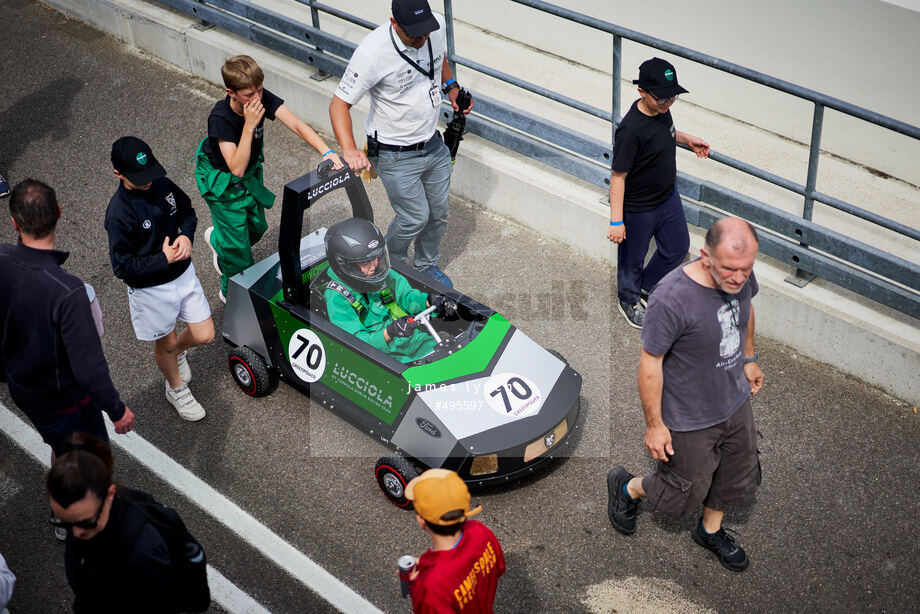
[154, 310]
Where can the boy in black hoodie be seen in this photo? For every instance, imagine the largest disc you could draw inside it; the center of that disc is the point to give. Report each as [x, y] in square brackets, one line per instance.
[151, 226]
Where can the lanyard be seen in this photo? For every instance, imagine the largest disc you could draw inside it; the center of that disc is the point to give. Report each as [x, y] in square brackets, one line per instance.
[428, 73]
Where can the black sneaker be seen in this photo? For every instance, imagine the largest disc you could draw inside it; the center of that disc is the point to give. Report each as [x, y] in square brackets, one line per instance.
[621, 508]
[634, 314]
[4, 187]
[643, 297]
[731, 555]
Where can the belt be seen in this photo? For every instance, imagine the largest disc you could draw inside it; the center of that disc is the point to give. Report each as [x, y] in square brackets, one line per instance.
[413, 147]
[72, 409]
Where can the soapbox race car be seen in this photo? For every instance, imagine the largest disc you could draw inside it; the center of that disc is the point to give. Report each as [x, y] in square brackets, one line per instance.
[488, 402]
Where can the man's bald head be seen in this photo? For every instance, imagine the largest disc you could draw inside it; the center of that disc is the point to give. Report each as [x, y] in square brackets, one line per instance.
[733, 234]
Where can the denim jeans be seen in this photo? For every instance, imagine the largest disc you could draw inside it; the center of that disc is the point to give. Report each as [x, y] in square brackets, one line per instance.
[668, 225]
[418, 186]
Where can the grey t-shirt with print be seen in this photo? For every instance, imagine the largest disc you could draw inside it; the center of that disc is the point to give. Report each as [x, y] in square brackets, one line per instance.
[701, 332]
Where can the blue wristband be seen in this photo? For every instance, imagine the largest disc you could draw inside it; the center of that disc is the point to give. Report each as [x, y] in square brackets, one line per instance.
[448, 82]
[328, 152]
[616, 223]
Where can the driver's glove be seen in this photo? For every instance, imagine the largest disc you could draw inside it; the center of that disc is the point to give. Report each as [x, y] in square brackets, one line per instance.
[446, 307]
[403, 327]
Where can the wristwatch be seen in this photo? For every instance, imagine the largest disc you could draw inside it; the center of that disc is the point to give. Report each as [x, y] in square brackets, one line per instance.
[451, 85]
[751, 359]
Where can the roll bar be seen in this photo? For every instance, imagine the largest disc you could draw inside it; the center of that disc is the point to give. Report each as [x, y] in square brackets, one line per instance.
[300, 195]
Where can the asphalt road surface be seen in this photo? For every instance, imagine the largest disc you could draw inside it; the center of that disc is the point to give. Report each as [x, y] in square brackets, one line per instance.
[835, 528]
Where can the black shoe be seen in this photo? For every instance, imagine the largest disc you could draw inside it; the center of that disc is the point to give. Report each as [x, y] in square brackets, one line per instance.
[4, 187]
[621, 508]
[634, 314]
[643, 297]
[731, 555]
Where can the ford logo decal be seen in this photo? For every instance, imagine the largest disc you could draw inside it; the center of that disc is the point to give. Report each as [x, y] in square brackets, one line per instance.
[428, 428]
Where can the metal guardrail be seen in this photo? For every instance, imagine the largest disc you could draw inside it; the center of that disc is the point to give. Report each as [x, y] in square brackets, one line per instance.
[794, 240]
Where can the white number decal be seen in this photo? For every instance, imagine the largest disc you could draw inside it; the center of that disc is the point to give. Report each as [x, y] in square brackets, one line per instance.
[307, 355]
[513, 395]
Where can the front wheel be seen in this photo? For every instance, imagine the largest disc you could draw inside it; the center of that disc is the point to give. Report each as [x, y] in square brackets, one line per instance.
[250, 372]
[393, 473]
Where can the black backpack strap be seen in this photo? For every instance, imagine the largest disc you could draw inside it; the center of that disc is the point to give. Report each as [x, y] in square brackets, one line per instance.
[185, 552]
[135, 500]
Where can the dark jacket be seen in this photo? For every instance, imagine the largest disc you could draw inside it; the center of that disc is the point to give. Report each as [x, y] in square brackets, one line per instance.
[125, 568]
[137, 222]
[48, 340]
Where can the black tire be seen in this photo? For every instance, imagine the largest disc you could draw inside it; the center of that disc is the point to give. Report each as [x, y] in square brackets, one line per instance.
[250, 372]
[393, 472]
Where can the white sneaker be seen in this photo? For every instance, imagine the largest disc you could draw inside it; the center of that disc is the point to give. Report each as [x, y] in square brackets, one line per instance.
[207, 239]
[185, 371]
[220, 295]
[60, 533]
[181, 398]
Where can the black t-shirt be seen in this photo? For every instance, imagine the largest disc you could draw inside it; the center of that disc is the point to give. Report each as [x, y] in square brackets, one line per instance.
[645, 148]
[225, 125]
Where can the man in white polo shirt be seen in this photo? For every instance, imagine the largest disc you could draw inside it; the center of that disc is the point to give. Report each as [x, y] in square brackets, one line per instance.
[403, 66]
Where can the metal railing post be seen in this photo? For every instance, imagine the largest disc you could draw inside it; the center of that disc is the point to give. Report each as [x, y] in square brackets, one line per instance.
[801, 277]
[449, 19]
[202, 25]
[320, 74]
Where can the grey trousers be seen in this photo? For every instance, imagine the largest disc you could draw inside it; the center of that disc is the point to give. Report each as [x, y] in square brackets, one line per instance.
[418, 186]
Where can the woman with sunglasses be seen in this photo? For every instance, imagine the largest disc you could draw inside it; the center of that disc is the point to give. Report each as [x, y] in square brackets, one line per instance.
[114, 560]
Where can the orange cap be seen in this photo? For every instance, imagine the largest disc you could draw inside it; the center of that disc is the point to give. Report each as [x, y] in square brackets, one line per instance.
[438, 492]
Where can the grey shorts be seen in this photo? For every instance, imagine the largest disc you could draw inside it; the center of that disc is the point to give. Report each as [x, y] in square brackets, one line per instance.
[717, 466]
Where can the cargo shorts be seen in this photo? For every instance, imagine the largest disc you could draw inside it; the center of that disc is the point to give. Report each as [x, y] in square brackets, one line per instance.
[718, 466]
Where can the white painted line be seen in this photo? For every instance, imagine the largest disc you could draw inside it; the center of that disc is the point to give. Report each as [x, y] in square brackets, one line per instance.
[230, 596]
[24, 435]
[216, 505]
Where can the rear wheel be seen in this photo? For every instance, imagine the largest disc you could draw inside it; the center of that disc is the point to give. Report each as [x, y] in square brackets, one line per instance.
[393, 472]
[250, 372]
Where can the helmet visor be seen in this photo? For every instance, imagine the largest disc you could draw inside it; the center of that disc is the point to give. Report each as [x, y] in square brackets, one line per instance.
[371, 269]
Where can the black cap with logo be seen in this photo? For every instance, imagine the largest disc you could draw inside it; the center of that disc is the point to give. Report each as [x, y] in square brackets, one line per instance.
[414, 17]
[133, 158]
[659, 77]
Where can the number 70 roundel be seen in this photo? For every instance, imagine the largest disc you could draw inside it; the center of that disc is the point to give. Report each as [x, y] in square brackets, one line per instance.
[513, 395]
[307, 355]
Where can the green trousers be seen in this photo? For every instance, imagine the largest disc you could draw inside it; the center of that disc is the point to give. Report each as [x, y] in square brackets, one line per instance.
[237, 206]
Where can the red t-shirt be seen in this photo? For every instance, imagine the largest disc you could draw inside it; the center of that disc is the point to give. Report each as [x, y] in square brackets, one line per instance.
[462, 579]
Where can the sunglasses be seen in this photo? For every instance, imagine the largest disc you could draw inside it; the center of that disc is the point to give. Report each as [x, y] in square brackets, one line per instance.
[662, 100]
[80, 524]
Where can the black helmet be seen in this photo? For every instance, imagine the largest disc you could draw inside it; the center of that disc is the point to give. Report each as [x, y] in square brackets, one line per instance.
[353, 242]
